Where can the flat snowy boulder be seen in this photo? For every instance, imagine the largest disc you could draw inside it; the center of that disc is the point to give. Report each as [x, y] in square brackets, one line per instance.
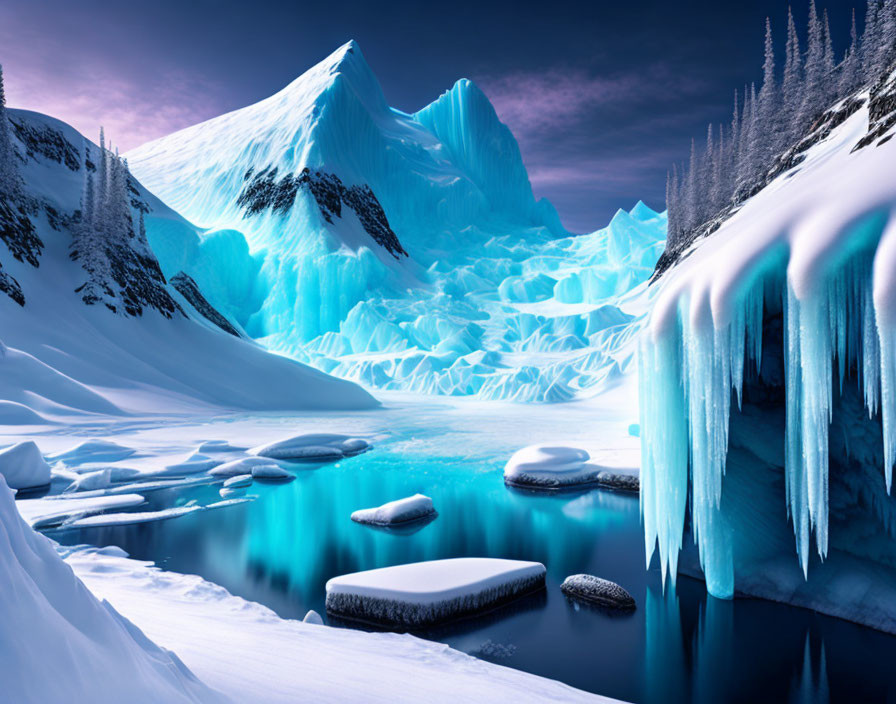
[315, 447]
[425, 593]
[594, 590]
[413, 508]
[555, 467]
[23, 466]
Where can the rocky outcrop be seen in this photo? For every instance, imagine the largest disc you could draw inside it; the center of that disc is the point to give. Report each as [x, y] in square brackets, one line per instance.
[594, 590]
[188, 288]
[264, 190]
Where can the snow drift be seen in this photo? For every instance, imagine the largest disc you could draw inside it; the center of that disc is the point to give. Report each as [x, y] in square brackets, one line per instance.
[769, 387]
[70, 644]
[403, 251]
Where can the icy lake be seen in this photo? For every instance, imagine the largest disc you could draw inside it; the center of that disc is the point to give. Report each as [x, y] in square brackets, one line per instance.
[282, 548]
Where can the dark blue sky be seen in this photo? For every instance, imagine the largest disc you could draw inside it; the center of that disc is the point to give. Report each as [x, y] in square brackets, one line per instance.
[602, 96]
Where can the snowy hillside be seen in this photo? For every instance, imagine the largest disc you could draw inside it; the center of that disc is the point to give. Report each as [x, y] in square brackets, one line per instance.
[402, 251]
[67, 640]
[89, 322]
[790, 304]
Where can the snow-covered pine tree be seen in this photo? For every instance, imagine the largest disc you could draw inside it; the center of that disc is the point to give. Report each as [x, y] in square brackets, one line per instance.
[9, 172]
[814, 71]
[766, 135]
[886, 52]
[791, 83]
[870, 40]
[848, 79]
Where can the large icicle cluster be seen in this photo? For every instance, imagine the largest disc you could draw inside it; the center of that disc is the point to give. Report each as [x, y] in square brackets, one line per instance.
[818, 245]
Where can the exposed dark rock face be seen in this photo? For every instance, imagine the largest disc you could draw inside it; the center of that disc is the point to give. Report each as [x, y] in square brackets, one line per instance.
[881, 113]
[17, 231]
[48, 142]
[595, 590]
[265, 191]
[140, 282]
[189, 290]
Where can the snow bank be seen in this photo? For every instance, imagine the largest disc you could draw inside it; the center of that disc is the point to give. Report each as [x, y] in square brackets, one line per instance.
[64, 644]
[229, 642]
[93, 451]
[424, 593]
[23, 467]
[412, 508]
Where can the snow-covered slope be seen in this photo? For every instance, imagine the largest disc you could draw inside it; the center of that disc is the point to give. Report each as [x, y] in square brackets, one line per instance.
[72, 646]
[405, 251]
[800, 277]
[163, 346]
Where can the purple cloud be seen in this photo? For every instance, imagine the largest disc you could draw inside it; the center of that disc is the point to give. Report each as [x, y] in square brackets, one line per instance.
[89, 92]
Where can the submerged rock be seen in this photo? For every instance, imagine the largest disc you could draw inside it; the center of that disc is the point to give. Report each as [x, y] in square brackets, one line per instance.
[595, 590]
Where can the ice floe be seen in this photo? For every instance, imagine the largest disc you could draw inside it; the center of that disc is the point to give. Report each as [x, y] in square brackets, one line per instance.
[127, 518]
[244, 465]
[47, 511]
[23, 466]
[425, 593]
[412, 508]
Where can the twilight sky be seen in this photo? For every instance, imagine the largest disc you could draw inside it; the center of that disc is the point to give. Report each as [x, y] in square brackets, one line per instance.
[602, 96]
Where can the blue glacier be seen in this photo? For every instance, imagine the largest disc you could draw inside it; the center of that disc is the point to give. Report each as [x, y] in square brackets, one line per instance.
[401, 251]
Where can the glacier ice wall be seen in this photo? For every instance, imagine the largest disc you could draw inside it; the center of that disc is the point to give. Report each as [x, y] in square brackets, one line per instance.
[403, 251]
[763, 332]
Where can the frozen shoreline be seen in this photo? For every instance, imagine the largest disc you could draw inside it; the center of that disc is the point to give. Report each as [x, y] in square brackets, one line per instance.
[277, 660]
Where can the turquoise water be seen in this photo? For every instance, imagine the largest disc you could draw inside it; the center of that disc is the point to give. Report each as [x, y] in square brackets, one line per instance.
[678, 647]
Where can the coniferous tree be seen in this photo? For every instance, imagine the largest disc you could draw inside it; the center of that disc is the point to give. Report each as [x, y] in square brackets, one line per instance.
[9, 172]
[849, 67]
[768, 108]
[814, 70]
[791, 84]
[870, 39]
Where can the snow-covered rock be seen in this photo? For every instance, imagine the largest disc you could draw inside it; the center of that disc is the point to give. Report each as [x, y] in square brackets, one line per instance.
[238, 481]
[313, 618]
[412, 508]
[23, 466]
[67, 643]
[271, 473]
[323, 447]
[555, 467]
[244, 465]
[597, 591]
[425, 593]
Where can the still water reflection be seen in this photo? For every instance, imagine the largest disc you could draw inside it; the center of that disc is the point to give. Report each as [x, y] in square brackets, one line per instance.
[677, 647]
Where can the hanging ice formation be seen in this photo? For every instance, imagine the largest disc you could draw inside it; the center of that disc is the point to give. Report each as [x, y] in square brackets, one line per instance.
[818, 245]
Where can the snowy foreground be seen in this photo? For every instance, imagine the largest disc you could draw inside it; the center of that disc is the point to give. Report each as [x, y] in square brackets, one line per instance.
[268, 659]
[227, 642]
